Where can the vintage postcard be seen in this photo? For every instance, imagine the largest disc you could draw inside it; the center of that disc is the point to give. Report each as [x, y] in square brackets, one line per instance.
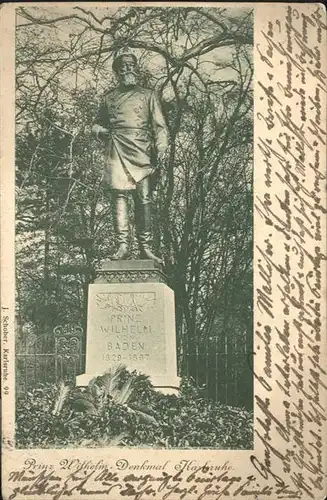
[163, 250]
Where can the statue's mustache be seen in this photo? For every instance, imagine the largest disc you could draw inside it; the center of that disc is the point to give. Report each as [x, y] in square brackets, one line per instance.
[127, 72]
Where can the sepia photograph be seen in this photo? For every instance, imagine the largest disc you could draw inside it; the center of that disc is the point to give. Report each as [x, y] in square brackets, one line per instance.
[134, 154]
[163, 252]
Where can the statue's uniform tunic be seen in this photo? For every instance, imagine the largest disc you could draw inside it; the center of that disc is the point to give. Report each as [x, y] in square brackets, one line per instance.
[137, 128]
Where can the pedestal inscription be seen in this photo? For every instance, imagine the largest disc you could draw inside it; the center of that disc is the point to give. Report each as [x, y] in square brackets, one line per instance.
[128, 322]
[133, 324]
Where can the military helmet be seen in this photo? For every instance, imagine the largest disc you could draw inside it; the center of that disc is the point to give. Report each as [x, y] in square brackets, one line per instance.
[118, 55]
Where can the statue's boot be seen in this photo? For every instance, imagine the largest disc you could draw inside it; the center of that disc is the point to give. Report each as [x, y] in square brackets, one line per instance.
[120, 210]
[143, 231]
[145, 250]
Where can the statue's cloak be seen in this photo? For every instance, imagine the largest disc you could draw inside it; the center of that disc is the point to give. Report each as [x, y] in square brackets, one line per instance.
[137, 128]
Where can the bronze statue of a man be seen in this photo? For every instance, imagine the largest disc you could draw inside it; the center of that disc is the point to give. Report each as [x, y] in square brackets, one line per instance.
[131, 123]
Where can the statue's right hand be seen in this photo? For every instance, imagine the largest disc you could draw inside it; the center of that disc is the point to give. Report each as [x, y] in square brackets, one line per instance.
[100, 132]
[103, 134]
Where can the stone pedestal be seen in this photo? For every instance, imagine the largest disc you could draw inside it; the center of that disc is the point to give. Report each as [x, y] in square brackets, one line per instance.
[131, 320]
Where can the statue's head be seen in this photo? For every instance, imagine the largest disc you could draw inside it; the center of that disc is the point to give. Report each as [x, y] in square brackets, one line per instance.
[126, 68]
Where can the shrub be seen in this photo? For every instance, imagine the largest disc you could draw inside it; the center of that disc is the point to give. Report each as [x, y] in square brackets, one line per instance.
[122, 408]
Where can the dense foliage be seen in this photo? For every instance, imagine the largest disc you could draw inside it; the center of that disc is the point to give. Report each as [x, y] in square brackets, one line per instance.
[146, 418]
